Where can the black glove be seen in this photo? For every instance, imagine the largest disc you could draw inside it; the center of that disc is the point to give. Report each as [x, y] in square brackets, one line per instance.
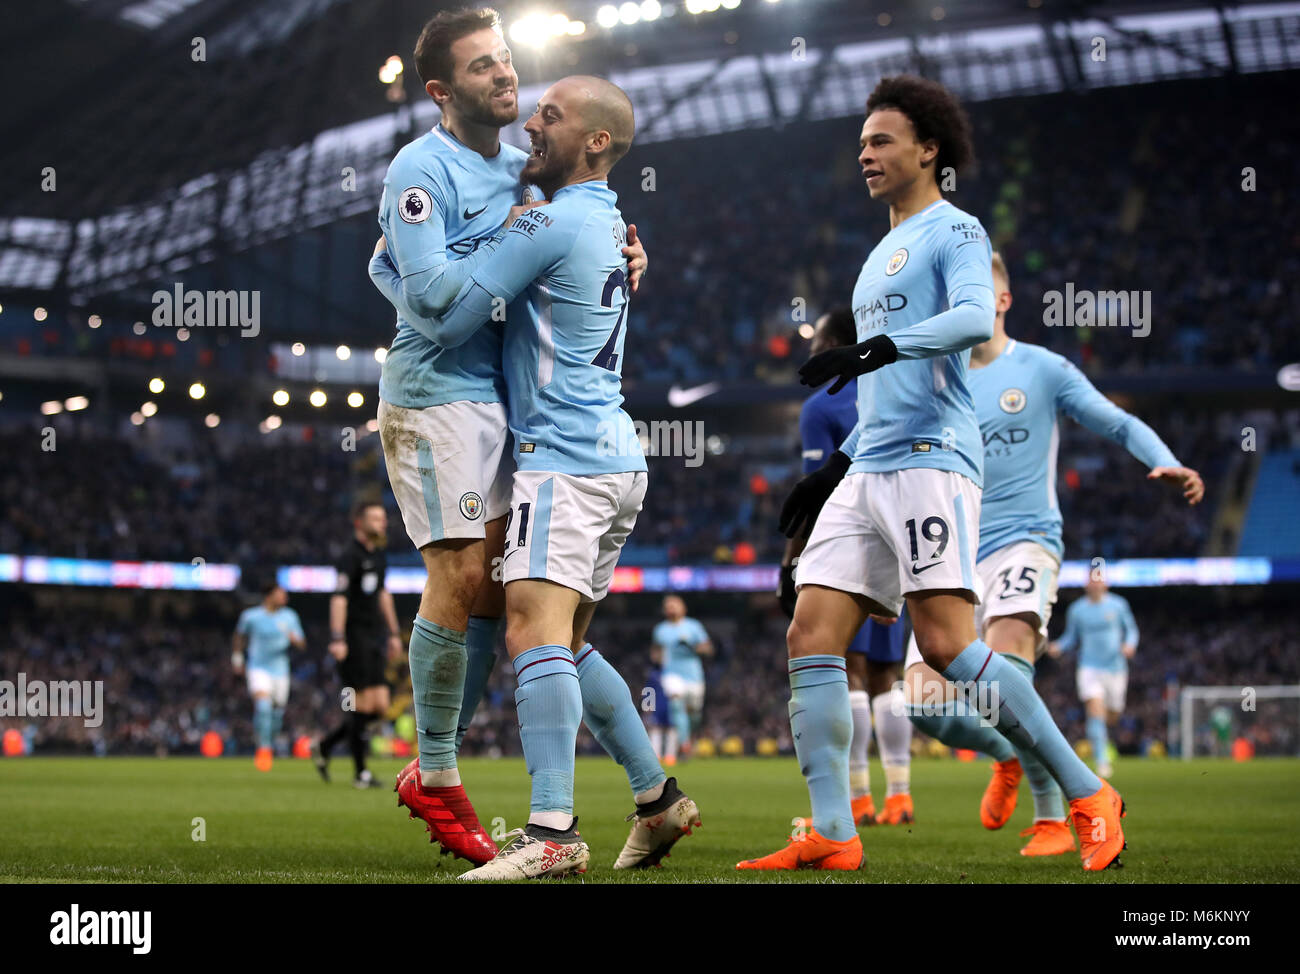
[848, 362]
[806, 499]
[785, 593]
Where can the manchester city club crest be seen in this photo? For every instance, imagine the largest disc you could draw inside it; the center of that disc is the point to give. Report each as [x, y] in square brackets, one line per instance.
[896, 262]
[471, 505]
[1011, 400]
[416, 205]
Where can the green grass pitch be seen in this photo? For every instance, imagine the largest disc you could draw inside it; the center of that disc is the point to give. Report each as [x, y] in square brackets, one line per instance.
[130, 820]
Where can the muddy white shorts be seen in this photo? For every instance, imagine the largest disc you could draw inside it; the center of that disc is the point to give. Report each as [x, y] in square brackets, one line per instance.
[450, 467]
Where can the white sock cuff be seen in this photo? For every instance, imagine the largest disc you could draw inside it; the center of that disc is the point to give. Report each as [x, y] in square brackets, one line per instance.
[859, 698]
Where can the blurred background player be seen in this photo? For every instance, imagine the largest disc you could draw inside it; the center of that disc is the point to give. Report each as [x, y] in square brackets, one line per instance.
[261, 642]
[363, 637]
[680, 644]
[1102, 628]
[657, 714]
[874, 658]
[1018, 391]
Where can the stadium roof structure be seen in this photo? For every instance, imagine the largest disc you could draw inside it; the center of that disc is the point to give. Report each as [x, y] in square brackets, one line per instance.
[177, 132]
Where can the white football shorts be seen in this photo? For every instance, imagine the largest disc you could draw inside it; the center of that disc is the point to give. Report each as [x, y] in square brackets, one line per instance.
[570, 530]
[449, 465]
[887, 535]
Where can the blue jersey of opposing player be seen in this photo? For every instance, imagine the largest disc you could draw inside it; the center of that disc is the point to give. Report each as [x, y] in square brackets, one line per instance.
[268, 635]
[824, 423]
[677, 641]
[442, 201]
[565, 337]
[928, 285]
[1100, 630]
[1017, 398]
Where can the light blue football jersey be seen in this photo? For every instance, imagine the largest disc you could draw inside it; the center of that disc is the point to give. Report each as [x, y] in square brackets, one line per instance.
[928, 285]
[1099, 630]
[560, 274]
[678, 640]
[268, 637]
[1017, 399]
[442, 201]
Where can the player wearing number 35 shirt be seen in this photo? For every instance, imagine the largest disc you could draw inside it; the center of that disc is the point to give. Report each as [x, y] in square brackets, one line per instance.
[1019, 390]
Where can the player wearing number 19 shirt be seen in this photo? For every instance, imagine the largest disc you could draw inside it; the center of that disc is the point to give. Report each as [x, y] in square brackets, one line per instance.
[1018, 391]
[902, 518]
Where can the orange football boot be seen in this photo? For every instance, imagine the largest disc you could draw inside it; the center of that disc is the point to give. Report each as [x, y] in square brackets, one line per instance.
[897, 811]
[999, 799]
[1051, 837]
[864, 810]
[811, 850]
[262, 759]
[1097, 823]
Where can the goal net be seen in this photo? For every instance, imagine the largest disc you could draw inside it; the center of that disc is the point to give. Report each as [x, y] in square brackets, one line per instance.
[1244, 721]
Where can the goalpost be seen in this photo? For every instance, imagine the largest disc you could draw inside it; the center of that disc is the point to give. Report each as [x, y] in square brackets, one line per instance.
[1211, 719]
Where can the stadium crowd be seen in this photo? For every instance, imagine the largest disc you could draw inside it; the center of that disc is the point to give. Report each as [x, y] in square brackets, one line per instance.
[167, 677]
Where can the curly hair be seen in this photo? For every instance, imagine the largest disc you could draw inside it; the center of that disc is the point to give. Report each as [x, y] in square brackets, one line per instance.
[933, 111]
[433, 49]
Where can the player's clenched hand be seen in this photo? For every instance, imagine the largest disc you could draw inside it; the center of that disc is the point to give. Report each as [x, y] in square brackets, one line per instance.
[806, 499]
[380, 247]
[637, 261]
[395, 648]
[339, 649]
[1185, 477]
[846, 363]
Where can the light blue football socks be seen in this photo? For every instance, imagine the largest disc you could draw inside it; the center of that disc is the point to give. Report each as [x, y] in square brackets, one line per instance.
[612, 718]
[549, 705]
[822, 723]
[989, 683]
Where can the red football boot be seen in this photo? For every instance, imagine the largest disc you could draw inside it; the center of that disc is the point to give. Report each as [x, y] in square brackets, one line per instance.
[450, 819]
[413, 767]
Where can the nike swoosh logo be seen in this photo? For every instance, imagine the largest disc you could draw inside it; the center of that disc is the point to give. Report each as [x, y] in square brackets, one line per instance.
[469, 216]
[679, 397]
[864, 357]
[918, 571]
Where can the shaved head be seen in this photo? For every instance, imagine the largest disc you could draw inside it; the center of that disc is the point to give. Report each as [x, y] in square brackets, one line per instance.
[605, 106]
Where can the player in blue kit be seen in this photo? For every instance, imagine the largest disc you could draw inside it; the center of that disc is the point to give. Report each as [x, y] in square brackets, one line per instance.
[261, 644]
[678, 644]
[874, 658]
[902, 495]
[1019, 390]
[441, 415]
[581, 473]
[1102, 628]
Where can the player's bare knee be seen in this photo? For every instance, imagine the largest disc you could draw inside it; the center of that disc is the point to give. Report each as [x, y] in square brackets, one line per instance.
[804, 639]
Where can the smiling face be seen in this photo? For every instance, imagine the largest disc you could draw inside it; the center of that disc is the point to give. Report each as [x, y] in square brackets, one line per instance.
[891, 159]
[558, 136]
[484, 88]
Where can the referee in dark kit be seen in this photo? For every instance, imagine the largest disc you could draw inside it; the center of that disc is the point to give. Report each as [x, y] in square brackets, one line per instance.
[363, 637]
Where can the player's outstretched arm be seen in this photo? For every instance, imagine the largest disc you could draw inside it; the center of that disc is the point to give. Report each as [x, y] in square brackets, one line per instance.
[1080, 399]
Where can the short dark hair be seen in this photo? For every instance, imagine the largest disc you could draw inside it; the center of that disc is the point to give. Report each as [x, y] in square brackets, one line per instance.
[270, 584]
[934, 112]
[840, 326]
[360, 507]
[433, 49]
